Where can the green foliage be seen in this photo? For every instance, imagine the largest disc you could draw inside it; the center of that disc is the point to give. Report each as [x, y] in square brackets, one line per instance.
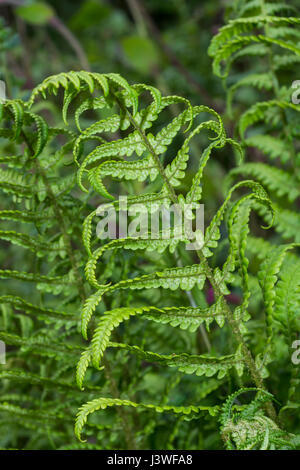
[249, 429]
[122, 339]
[36, 13]
[268, 125]
[268, 128]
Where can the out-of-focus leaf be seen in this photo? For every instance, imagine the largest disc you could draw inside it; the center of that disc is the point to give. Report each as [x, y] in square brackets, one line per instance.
[141, 53]
[36, 13]
[91, 13]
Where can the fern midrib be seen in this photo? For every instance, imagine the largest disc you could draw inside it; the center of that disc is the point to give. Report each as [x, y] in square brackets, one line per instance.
[60, 218]
[81, 290]
[254, 372]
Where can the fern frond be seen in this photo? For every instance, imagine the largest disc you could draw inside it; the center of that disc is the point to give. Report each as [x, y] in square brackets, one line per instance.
[32, 277]
[258, 111]
[187, 317]
[267, 277]
[276, 180]
[235, 45]
[287, 299]
[102, 403]
[259, 81]
[29, 308]
[271, 146]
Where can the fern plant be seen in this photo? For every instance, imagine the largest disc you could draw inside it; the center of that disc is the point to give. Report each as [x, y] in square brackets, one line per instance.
[41, 280]
[265, 34]
[132, 315]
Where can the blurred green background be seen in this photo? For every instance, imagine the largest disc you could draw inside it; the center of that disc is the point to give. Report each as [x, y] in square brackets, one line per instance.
[159, 42]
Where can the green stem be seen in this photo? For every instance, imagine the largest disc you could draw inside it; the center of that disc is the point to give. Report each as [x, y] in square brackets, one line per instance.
[66, 238]
[249, 361]
[129, 436]
[81, 290]
[60, 218]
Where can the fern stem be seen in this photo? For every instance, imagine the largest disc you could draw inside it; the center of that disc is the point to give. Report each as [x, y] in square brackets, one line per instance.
[66, 237]
[112, 384]
[81, 290]
[129, 437]
[151, 150]
[249, 361]
[61, 220]
[248, 358]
